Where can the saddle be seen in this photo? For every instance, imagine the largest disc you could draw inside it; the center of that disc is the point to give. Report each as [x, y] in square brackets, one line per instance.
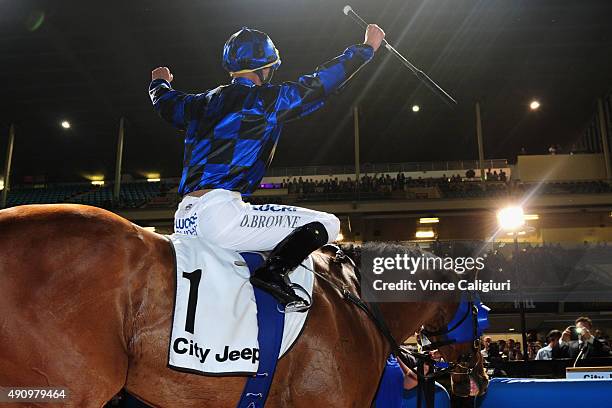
[217, 313]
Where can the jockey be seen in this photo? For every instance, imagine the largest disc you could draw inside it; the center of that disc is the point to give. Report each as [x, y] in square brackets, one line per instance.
[231, 133]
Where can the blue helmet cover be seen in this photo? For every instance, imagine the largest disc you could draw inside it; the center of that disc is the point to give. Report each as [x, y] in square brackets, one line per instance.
[249, 50]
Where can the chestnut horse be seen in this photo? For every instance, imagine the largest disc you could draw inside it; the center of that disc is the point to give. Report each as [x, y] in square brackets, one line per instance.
[86, 300]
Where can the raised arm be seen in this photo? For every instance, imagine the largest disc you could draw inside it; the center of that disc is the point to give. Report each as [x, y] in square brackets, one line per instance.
[177, 108]
[298, 99]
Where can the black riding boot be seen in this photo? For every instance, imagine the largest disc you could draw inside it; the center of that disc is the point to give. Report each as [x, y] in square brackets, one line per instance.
[284, 258]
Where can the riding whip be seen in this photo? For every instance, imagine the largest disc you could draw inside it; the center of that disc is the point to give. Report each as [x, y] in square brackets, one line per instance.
[427, 81]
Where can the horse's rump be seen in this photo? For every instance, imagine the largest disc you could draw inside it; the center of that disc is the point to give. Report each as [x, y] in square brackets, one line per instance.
[64, 278]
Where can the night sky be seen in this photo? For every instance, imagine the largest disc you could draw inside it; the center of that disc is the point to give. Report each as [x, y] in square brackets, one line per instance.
[90, 62]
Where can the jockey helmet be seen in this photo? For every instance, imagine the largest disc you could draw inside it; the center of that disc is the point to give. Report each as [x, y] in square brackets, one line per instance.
[250, 50]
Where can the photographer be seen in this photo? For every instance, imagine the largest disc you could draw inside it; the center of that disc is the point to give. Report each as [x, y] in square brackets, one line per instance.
[577, 342]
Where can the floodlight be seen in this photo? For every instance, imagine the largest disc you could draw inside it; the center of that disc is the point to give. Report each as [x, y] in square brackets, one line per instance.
[534, 105]
[425, 234]
[511, 218]
[429, 220]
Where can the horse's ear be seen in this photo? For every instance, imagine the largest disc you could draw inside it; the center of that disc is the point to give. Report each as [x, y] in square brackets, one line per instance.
[330, 249]
[338, 256]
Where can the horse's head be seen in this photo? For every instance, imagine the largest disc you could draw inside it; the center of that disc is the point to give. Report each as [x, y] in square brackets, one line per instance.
[458, 341]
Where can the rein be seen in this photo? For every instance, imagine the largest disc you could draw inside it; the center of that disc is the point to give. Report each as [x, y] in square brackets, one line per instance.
[375, 315]
[373, 312]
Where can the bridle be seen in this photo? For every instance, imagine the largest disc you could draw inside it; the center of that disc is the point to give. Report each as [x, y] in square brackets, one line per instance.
[467, 325]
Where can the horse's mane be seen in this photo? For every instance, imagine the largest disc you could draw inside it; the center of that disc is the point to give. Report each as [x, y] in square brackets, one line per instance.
[381, 248]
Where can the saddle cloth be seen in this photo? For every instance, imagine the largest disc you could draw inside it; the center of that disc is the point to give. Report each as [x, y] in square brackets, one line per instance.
[214, 328]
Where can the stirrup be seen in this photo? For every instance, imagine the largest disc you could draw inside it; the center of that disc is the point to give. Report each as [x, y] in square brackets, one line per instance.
[283, 291]
[299, 306]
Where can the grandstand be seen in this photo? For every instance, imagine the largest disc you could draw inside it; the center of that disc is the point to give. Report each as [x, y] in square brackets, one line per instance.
[322, 183]
[143, 194]
[133, 194]
[572, 205]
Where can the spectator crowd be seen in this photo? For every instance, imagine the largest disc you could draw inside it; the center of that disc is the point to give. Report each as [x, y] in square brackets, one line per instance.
[577, 342]
[383, 183]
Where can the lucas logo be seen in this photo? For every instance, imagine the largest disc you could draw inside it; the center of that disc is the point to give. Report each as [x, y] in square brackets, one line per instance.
[187, 226]
[183, 346]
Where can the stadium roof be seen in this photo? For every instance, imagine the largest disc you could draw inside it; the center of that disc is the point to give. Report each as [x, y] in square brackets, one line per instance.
[90, 63]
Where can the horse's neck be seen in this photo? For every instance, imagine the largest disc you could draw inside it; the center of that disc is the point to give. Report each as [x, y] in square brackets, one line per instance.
[404, 319]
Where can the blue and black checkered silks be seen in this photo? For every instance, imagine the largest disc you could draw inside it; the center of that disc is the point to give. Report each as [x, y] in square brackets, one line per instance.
[249, 49]
[231, 132]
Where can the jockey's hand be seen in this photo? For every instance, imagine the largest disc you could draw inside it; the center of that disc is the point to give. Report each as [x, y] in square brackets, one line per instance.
[374, 36]
[161, 73]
